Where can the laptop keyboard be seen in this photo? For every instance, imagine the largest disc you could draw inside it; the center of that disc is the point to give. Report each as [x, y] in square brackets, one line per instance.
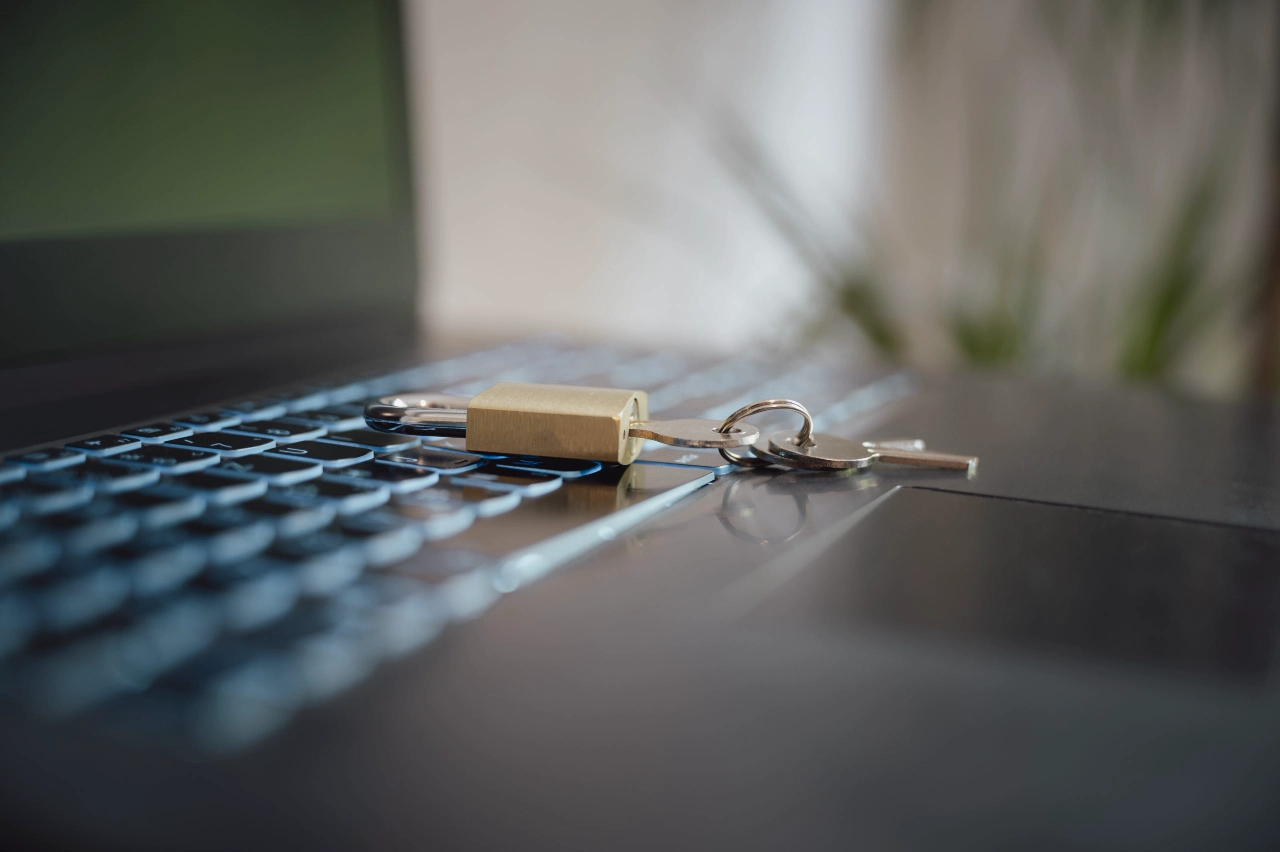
[194, 583]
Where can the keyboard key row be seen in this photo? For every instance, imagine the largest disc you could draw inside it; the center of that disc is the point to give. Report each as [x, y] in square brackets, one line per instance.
[345, 497]
[156, 433]
[46, 460]
[335, 417]
[279, 431]
[272, 469]
[104, 445]
[378, 442]
[399, 479]
[327, 454]
[105, 477]
[208, 421]
[168, 459]
[249, 410]
[226, 444]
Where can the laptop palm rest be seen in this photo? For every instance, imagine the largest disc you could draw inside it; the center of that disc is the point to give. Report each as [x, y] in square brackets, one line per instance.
[1009, 576]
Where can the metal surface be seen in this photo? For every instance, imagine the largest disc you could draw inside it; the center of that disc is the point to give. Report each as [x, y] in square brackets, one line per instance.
[913, 444]
[562, 421]
[763, 457]
[744, 460]
[419, 414]
[831, 452]
[449, 401]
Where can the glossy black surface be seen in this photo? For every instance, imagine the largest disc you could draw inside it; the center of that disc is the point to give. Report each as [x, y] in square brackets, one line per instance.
[1105, 588]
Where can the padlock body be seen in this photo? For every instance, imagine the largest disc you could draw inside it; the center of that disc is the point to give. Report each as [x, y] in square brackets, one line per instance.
[556, 420]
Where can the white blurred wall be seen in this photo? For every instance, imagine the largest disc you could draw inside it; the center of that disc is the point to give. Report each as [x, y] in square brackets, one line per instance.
[572, 181]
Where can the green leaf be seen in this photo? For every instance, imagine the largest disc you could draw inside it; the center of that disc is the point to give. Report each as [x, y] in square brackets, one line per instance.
[859, 297]
[1165, 320]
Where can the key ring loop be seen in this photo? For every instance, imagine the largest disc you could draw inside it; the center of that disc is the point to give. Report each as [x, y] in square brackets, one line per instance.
[802, 436]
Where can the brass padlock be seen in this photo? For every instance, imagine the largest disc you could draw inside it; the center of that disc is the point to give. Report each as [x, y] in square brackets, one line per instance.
[557, 420]
[562, 421]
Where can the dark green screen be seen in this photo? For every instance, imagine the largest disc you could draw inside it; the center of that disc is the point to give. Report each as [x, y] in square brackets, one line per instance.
[144, 119]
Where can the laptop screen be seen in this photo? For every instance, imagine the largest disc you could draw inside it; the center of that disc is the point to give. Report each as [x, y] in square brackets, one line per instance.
[172, 171]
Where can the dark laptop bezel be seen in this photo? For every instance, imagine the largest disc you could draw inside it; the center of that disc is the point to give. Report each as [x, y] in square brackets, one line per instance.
[339, 254]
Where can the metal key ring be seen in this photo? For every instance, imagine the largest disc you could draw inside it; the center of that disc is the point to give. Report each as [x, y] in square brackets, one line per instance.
[802, 437]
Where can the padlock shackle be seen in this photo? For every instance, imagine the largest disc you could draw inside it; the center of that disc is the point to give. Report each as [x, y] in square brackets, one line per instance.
[423, 413]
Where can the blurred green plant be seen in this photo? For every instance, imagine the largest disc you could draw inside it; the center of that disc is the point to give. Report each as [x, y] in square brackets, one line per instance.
[1173, 303]
[997, 315]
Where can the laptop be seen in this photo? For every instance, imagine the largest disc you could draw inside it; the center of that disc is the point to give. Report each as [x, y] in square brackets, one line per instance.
[233, 617]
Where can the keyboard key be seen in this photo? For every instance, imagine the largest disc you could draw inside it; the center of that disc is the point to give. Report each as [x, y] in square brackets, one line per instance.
[329, 455]
[348, 392]
[527, 483]
[458, 445]
[566, 468]
[249, 410]
[92, 527]
[17, 623]
[107, 477]
[344, 497]
[168, 460]
[70, 676]
[224, 699]
[437, 520]
[400, 479]
[25, 551]
[8, 513]
[379, 442]
[332, 647]
[104, 445]
[323, 561]
[280, 431]
[447, 463]
[225, 444]
[221, 490]
[251, 593]
[679, 457]
[486, 503]
[37, 496]
[231, 533]
[155, 433]
[208, 421]
[271, 469]
[11, 473]
[302, 398]
[159, 561]
[403, 613]
[162, 505]
[46, 460]
[292, 519]
[334, 417]
[385, 536]
[153, 635]
[72, 596]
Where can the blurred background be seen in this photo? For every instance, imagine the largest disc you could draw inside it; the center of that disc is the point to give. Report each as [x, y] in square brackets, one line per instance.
[1081, 188]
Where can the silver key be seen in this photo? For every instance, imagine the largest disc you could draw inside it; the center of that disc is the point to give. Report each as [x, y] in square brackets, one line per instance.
[762, 452]
[831, 452]
[913, 444]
